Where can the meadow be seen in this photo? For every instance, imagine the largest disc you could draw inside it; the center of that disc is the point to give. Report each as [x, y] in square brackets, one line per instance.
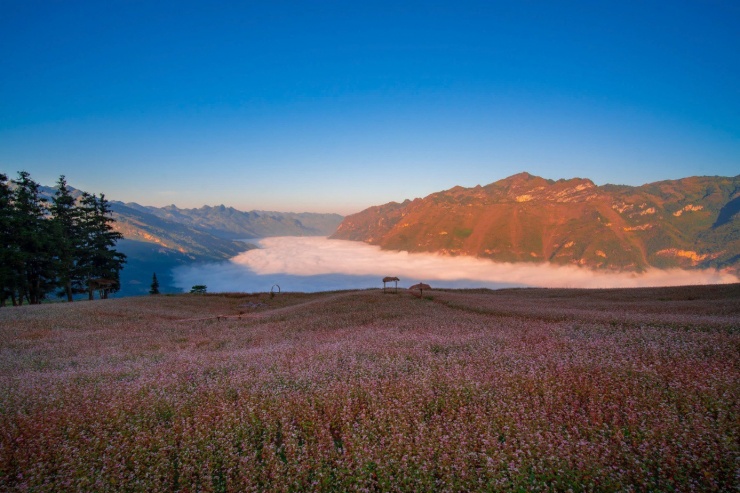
[466, 390]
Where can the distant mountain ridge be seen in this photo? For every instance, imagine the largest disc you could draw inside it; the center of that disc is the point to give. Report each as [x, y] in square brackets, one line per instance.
[139, 224]
[687, 223]
[157, 239]
[230, 223]
[160, 238]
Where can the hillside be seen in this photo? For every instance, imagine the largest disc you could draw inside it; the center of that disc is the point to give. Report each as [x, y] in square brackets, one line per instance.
[139, 225]
[472, 390]
[229, 223]
[688, 223]
[160, 238]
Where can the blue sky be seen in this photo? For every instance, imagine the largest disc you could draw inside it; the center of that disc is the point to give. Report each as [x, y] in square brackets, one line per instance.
[335, 106]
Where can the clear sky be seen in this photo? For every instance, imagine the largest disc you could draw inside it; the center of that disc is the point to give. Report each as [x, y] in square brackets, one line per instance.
[334, 106]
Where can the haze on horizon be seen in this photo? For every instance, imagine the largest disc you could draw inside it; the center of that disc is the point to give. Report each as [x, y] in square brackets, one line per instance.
[334, 107]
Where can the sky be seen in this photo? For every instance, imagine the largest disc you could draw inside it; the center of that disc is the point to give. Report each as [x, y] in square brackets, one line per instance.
[335, 106]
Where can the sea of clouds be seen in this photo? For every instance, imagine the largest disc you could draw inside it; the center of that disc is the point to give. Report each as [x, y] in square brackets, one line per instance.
[319, 264]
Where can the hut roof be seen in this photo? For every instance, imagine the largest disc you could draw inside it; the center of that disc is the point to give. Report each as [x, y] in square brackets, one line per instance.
[390, 279]
[100, 281]
[421, 286]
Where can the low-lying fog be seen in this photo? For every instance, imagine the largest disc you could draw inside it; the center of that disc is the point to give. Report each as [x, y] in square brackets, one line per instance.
[320, 264]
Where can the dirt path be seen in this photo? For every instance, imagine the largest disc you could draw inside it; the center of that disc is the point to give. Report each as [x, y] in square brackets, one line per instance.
[276, 311]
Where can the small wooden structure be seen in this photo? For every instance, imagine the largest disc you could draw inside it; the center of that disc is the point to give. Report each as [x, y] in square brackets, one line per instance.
[391, 279]
[421, 287]
[102, 285]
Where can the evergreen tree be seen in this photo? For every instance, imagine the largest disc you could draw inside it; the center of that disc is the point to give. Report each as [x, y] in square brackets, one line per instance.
[66, 224]
[33, 267]
[62, 245]
[8, 248]
[155, 285]
[98, 260]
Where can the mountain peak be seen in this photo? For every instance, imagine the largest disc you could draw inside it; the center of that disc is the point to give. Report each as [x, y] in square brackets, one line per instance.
[525, 187]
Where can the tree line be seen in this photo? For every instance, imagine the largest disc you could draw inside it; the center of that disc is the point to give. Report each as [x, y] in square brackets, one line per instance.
[64, 246]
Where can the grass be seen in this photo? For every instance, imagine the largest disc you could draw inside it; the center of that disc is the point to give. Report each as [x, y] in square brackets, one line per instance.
[471, 390]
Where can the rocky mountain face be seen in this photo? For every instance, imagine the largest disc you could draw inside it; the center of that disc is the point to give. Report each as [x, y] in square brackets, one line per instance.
[687, 223]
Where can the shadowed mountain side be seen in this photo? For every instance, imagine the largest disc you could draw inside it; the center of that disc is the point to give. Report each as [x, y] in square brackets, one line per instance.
[155, 245]
[685, 223]
[144, 259]
[159, 239]
[728, 213]
[230, 223]
[139, 225]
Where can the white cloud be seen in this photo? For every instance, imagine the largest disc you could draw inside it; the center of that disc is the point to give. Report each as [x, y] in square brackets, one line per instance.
[316, 264]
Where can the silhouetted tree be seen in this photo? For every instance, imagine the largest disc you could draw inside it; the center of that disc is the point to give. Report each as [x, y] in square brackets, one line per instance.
[98, 257]
[155, 285]
[8, 249]
[66, 223]
[33, 263]
[67, 244]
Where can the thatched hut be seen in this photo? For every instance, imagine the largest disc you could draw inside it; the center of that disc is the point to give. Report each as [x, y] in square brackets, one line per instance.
[420, 287]
[391, 279]
[102, 285]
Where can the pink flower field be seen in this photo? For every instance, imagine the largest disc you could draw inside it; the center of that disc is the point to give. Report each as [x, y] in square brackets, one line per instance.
[511, 390]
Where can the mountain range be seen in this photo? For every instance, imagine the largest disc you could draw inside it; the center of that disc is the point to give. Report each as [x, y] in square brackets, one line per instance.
[687, 223]
[211, 233]
[157, 239]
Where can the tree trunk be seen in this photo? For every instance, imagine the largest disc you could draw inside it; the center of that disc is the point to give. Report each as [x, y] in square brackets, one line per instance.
[68, 290]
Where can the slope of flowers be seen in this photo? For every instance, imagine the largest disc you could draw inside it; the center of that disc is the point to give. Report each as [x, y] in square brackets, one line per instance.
[517, 390]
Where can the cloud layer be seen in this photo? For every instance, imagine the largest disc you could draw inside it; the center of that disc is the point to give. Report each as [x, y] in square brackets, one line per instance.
[320, 264]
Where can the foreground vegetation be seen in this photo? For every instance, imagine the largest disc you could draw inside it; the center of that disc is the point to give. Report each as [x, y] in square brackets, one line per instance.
[513, 390]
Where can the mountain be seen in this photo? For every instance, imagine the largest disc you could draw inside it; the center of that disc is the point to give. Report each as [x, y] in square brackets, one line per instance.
[157, 239]
[138, 225]
[230, 223]
[688, 223]
[161, 238]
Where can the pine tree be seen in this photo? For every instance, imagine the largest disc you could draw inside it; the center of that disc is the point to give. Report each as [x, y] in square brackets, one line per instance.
[155, 285]
[8, 248]
[62, 245]
[66, 223]
[33, 264]
[99, 263]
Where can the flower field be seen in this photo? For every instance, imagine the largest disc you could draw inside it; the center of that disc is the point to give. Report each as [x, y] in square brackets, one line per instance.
[511, 390]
